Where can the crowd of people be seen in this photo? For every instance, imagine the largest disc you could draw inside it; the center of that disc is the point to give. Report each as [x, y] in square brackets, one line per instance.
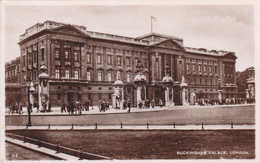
[15, 108]
[142, 104]
[224, 101]
[74, 107]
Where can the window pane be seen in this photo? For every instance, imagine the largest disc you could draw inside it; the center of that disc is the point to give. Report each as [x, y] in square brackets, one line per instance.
[109, 76]
[76, 74]
[57, 74]
[57, 54]
[66, 55]
[76, 56]
[99, 76]
[88, 75]
[67, 74]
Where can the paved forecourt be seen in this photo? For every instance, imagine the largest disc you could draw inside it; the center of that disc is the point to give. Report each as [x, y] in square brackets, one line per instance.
[181, 115]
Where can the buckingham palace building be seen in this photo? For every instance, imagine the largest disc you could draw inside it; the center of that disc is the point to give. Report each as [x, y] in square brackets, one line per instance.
[83, 65]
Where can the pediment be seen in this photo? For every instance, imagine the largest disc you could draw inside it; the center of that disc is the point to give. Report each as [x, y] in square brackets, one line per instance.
[69, 29]
[230, 55]
[170, 44]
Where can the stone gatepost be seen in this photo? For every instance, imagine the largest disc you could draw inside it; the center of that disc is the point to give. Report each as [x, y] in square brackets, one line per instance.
[168, 83]
[118, 96]
[140, 84]
[219, 95]
[184, 93]
[44, 90]
[247, 94]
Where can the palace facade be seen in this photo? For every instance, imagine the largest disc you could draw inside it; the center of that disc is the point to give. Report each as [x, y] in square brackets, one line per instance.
[83, 64]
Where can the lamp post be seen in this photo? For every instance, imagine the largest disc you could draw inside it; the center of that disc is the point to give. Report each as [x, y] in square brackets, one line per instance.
[31, 89]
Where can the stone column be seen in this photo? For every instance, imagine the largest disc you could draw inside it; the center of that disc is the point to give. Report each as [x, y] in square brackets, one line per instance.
[219, 95]
[183, 87]
[43, 94]
[169, 96]
[118, 96]
[247, 93]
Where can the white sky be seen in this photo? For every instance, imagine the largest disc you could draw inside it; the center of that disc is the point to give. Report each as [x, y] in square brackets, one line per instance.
[219, 27]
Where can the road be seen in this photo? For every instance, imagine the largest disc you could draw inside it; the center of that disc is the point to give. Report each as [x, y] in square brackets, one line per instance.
[242, 114]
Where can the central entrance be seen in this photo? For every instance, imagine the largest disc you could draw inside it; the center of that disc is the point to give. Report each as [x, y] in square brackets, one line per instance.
[70, 96]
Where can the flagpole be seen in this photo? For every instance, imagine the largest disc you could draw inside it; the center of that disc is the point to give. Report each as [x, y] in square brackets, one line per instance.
[151, 24]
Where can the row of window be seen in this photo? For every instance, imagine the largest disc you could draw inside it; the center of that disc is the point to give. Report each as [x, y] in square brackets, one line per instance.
[200, 61]
[99, 75]
[99, 58]
[67, 55]
[10, 74]
[199, 68]
[119, 60]
[196, 80]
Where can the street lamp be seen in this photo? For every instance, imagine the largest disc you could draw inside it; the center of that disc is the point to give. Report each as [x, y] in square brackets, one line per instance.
[31, 89]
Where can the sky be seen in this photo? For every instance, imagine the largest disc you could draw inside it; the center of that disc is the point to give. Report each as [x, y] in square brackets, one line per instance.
[219, 27]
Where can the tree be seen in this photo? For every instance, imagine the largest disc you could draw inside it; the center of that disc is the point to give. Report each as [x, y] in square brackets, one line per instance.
[241, 78]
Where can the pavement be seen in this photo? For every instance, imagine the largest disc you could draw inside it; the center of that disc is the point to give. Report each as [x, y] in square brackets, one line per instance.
[15, 152]
[135, 127]
[95, 110]
[46, 151]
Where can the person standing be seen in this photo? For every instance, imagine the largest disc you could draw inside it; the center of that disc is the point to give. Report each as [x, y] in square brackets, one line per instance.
[160, 103]
[37, 106]
[152, 103]
[129, 106]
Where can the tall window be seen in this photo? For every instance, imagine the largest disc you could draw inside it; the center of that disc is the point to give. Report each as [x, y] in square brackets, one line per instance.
[109, 60]
[128, 62]
[109, 76]
[76, 74]
[88, 57]
[67, 74]
[210, 69]
[199, 67]
[34, 57]
[194, 79]
[66, 55]
[211, 81]
[57, 54]
[88, 75]
[99, 59]
[205, 68]
[188, 79]
[128, 77]
[23, 61]
[136, 61]
[145, 63]
[42, 54]
[216, 69]
[76, 56]
[29, 58]
[206, 81]
[193, 67]
[200, 81]
[57, 73]
[99, 76]
[188, 67]
[119, 60]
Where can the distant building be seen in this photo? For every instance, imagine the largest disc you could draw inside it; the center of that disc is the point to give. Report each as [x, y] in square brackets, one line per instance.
[83, 64]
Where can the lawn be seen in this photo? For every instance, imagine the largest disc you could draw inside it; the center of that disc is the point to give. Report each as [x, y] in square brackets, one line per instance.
[154, 144]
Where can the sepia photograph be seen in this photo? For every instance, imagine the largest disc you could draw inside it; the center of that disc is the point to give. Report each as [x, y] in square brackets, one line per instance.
[128, 81]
